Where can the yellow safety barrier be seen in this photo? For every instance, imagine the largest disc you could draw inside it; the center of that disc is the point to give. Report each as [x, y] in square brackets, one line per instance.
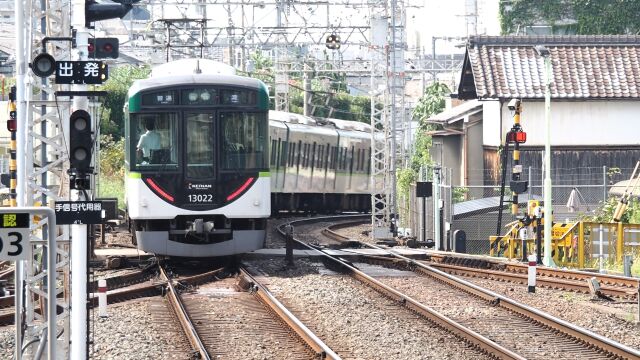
[574, 244]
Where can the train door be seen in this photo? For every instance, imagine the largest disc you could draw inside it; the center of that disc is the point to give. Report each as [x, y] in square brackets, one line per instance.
[199, 149]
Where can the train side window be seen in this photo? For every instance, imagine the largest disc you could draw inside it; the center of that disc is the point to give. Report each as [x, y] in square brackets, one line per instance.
[307, 152]
[320, 155]
[274, 145]
[292, 153]
[328, 156]
[332, 158]
[312, 158]
[277, 151]
[345, 158]
[358, 160]
[299, 153]
[368, 161]
[284, 146]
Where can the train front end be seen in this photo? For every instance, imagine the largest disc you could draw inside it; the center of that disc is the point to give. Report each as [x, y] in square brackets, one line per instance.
[197, 182]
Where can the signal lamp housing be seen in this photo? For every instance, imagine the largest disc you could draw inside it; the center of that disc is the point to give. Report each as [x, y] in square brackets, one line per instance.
[43, 65]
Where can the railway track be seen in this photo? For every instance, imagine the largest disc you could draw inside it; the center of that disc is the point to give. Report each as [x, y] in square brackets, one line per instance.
[239, 318]
[497, 316]
[572, 280]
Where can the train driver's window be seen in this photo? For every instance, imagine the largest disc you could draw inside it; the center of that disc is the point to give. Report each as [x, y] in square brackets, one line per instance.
[154, 135]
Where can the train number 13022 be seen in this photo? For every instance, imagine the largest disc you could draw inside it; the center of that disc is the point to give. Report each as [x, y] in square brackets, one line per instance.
[13, 245]
[200, 198]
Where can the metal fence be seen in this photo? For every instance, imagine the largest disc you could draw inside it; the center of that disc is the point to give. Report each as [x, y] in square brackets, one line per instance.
[418, 216]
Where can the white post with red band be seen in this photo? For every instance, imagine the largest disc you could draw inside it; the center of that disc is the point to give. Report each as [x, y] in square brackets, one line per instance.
[102, 298]
[532, 273]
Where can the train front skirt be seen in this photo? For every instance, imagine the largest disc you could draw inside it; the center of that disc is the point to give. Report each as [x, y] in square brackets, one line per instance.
[158, 242]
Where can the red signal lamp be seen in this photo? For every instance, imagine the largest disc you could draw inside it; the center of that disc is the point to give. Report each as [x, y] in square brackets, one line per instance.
[517, 137]
[12, 125]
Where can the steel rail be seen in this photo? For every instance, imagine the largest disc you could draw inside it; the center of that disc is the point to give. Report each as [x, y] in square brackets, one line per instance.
[560, 325]
[622, 281]
[118, 281]
[321, 350]
[541, 280]
[577, 332]
[617, 286]
[116, 295]
[183, 316]
[466, 334]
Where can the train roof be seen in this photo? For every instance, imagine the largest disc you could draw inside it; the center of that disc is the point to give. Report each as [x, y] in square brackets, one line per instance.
[194, 79]
[344, 125]
[187, 72]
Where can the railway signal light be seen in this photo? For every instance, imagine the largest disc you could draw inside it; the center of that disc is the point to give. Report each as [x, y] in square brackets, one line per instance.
[80, 142]
[519, 137]
[94, 11]
[102, 48]
[43, 65]
[333, 42]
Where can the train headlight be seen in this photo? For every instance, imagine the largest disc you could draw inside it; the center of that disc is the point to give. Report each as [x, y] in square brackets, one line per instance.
[205, 96]
[193, 96]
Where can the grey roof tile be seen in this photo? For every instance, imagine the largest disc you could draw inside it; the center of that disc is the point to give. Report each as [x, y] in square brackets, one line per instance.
[592, 66]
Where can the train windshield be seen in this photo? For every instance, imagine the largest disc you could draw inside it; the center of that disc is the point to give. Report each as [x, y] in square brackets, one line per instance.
[200, 133]
[154, 136]
[243, 140]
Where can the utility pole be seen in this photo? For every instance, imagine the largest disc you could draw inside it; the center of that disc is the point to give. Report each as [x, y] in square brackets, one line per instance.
[548, 208]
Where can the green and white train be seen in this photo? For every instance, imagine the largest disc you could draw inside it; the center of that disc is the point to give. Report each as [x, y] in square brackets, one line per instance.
[221, 163]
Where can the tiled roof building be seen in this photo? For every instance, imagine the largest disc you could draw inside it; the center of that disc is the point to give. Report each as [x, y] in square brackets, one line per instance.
[583, 67]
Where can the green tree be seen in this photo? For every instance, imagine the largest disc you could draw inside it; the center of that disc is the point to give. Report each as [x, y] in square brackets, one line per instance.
[8, 83]
[431, 103]
[583, 17]
[117, 87]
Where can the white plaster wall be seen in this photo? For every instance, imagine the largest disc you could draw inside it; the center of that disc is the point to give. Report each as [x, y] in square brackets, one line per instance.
[572, 123]
[491, 123]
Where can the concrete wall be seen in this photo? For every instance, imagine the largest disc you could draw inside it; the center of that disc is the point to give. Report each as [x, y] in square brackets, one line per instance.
[475, 162]
[447, 151]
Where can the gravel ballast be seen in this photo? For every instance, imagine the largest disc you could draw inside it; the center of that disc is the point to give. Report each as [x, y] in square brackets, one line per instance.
[356, 321]
[130, 332]
[614, 321]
